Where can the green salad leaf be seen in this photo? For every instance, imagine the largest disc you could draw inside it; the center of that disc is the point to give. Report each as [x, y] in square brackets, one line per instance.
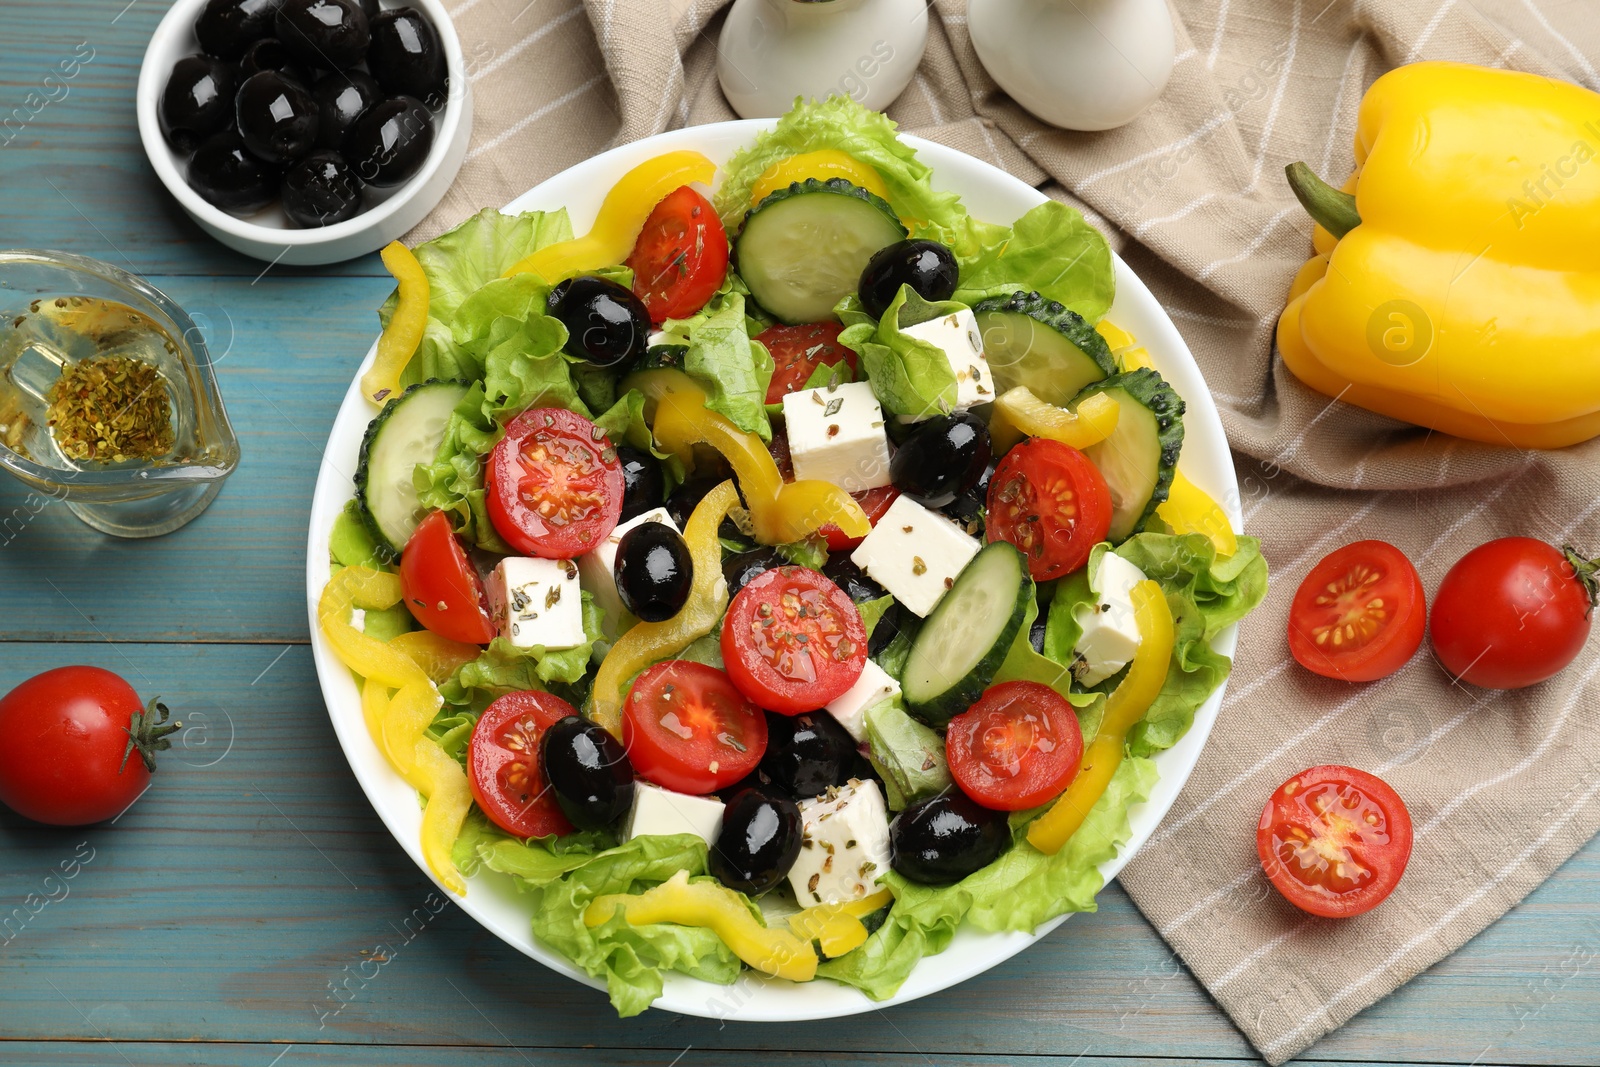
[504, 668]
[907, 755]
[1051, 250]
[911, 377]
[1018, 891]
[840, 124]
[732, 369]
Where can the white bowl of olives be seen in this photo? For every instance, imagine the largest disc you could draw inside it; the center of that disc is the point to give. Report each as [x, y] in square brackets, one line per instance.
[305, 131]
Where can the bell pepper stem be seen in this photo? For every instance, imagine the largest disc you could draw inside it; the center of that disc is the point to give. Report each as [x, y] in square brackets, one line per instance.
[1333, 210]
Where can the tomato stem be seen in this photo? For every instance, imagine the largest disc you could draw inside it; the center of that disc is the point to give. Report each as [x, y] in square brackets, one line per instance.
[1587, 572]
[148, 732]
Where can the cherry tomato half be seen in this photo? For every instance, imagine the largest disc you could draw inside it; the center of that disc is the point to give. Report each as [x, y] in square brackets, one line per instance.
[65, 760]
[503, 764]
[874, 502]
[1512, 612]
[554, 484]
[1050, 501]
[680, 258]
[442, 591]
[1017, 747]
[687, 727]
[1359, 615]
[792, 640]
[797, 351]
[1334, 840]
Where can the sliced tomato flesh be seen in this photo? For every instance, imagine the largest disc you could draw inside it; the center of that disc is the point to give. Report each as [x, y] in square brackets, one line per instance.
[687, 727]
[1050, 501]
[554, 484]
[1360, 613]
[793, 640]
[503, 765]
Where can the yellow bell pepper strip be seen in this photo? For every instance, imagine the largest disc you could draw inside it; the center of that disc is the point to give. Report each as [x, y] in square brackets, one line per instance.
[778, 953]
[1455, 285]
[1018, 413]
[837, 928]
[400, 720]
[780, 511]
[1190, 509]
[399, 340]
[1124, 708]
[439, 657]
[648, 642]
[622, 215]
[1125, 349]
[821, 165]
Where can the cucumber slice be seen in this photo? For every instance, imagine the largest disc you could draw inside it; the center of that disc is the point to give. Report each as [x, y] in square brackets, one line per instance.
[803, 248]
[406, 433]
[1139, 458]
[968, 635]
[1035, 342]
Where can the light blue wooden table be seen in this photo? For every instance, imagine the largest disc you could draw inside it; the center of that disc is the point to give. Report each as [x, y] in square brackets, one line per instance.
[230, 917]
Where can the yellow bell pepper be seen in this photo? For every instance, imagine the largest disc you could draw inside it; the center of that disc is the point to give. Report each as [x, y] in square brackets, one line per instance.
[398, 723]
[1018, 414]
[399, 340]
[1190, 509]
[1125, 349]
[1125, 706]
[621, 217]
[778, 953]
[1457, 287]
[648, 642]
[439, 657]
[821, 165]
[780, 511]
[837, 928]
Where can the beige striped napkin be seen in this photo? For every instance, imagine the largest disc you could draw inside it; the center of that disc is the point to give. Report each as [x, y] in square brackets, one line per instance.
[1502, 787]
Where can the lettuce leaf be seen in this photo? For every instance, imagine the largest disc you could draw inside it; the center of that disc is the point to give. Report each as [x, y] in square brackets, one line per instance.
[630, 959]
[841, 124]
[1051, 250]
[907, 755]
[732, 369]
[503, 667]
[1018, 891]
[911, 378]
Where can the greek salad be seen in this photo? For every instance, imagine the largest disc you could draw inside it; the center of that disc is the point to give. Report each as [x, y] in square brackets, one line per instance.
[781, 573]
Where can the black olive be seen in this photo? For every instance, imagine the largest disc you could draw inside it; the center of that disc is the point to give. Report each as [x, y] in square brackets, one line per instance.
[852, 579]
[653, 571]
[197, 102]
[888, 628]
[231, 178]
[405, 56]
[588, 771]
[967, 509]
[370, 8]
[327, 34]
[759, 842]
[758, 779]
[807, 753]
[943, 458]
[1036, 631]
[687, 496]
[227, 27]
[606, 324]
[341, 98]
[269, 54]
[741, 567]
[321, 190]
[927, 266]
[644, 482]
[390, 141]
[945, 838]
[277, 117]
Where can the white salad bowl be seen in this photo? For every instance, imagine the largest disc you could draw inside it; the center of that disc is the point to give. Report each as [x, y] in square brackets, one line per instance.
[493, 901]
[268, 234]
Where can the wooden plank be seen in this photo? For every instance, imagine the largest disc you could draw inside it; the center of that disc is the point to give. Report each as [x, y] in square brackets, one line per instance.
[71, 163]
[238, 897]
[287, 349]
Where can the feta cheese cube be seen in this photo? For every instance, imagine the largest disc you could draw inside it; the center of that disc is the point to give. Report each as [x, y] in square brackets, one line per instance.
[874, 685]
[658, 812]
[597, 569]
[1110, 635]
[537, 602]
[836, 435]
[844, 845]
[958, 337]
[915, 554]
